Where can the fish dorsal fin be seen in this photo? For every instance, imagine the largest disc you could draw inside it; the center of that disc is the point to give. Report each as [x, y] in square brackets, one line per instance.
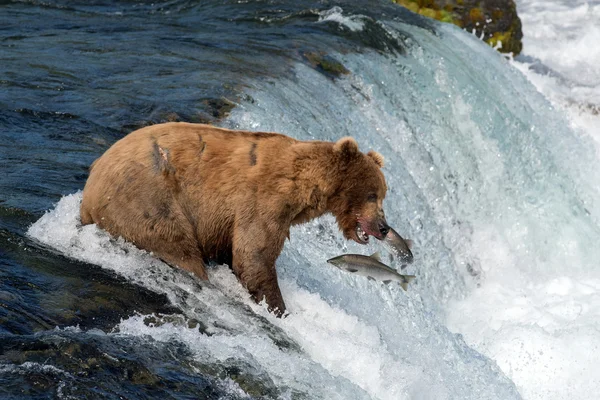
[376, 256]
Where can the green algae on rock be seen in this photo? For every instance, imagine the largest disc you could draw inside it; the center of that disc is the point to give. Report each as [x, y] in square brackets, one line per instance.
[326, 64]
[495, 21]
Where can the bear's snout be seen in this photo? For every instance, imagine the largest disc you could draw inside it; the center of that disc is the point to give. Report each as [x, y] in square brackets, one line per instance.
[376, 227]
[384, 228]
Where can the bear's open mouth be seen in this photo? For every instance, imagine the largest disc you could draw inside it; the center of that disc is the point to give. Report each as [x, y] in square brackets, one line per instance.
[361, 235]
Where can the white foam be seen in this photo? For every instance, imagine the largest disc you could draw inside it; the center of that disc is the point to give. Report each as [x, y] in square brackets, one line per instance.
[544, 335]
[30, 366]
[341, 343]
[538, 317]
[335, 14]
[563, 36]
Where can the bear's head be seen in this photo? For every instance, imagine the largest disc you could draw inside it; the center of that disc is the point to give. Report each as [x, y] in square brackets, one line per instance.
[358, 202]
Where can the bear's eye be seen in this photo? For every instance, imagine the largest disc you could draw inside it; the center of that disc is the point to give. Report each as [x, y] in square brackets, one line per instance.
[372, 197]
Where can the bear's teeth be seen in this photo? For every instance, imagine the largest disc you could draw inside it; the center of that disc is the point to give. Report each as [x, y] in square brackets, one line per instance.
[362, 234]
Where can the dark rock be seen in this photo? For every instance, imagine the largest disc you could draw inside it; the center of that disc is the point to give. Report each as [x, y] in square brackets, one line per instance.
[46, 290]
[63, 364]
[326, 64]
[210, 111]
[496, 20]
[217, 109]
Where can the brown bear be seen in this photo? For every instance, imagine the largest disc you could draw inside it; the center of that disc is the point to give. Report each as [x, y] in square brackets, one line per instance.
[190, 193]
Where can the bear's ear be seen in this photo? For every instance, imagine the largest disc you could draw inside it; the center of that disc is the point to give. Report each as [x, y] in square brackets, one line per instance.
[378, 158]
[347, 146]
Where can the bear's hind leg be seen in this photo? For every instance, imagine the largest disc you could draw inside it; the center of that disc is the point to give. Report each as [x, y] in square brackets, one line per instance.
[192, 263]
[85, 216]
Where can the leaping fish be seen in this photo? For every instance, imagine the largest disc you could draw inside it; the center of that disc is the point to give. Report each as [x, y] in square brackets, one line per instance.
[371, 267]
[399, 247]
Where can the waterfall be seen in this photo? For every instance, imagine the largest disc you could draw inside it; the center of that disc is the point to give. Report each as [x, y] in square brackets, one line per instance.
[486, 178]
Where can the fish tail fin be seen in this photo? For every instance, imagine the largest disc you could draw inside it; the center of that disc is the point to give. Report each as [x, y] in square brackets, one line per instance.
[407, 280]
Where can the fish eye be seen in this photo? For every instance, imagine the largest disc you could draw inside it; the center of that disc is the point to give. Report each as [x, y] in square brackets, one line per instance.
[372, 197]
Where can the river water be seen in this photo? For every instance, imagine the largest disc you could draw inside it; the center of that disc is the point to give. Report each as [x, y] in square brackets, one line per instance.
[489, 174]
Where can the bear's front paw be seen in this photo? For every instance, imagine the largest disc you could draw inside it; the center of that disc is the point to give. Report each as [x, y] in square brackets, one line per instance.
[274, 302]
[277, 309]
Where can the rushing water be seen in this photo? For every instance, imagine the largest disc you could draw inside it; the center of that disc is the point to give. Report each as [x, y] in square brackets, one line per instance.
[543, 327]
[490, 182]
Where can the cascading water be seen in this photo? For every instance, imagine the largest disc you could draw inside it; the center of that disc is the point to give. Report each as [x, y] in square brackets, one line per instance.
[486, 179]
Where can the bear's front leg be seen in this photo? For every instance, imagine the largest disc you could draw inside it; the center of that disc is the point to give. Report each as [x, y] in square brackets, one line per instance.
[265, 287]
[256, 247]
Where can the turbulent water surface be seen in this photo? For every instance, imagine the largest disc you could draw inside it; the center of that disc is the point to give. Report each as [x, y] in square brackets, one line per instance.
[539, 320]
[487, 178]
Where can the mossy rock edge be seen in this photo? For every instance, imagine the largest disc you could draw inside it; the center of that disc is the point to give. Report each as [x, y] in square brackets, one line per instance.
[494, 20]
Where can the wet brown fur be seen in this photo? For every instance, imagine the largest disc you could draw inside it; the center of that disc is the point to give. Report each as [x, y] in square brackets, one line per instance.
[193, 192]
